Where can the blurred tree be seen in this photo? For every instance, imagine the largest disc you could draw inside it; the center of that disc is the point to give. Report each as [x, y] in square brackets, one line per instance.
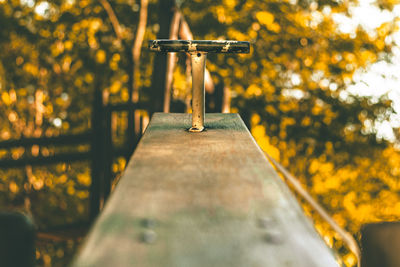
[57, 54]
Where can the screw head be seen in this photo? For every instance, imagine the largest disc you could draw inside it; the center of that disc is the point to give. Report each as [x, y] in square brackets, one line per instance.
[149, 223]
[273, 237]
[149, 237]
[265, 222]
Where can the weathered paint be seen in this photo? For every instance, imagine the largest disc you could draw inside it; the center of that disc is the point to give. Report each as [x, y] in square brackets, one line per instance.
[206, 199]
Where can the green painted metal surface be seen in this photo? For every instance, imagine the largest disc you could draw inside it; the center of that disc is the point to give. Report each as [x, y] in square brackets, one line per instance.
[202, 199]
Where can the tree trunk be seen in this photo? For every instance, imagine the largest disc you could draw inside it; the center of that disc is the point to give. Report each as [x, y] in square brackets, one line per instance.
[171, 60]
[165, 14]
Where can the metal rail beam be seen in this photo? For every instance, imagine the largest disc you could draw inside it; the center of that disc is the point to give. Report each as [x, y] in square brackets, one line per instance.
[206, 199]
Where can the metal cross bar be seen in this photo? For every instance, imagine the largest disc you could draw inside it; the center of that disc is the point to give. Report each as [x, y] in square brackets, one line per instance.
[200, 46]
[198, 50]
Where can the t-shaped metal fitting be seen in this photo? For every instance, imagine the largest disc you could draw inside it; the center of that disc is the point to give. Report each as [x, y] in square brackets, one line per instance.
[198, 52]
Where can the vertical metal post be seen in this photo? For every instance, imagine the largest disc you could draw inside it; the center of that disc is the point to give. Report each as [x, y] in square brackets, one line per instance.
[107, 154]
[198, 50]
[96, 150]
[17, 240]
[198, 94]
